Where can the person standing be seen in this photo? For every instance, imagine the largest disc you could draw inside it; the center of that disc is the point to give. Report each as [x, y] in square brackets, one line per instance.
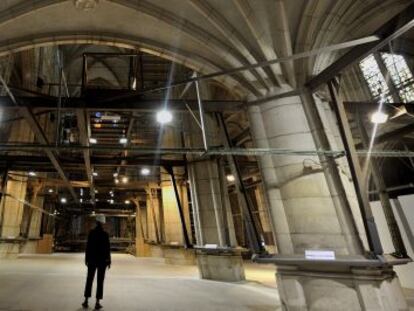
[97, 258]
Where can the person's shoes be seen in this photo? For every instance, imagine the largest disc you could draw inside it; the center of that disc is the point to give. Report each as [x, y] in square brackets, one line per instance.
[85, 304]
[98, 306]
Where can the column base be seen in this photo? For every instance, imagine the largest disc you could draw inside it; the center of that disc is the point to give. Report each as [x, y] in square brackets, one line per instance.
[142, 249]
[178, 255]
[226, 266]
[30, 247]
[45, 245]
[358, 289]
[9, 249]
[156, 251]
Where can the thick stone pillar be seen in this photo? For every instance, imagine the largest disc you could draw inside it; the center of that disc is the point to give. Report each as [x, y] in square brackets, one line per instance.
[34, 222]
[306, 216]
[211, 209]
[12, 208]
[174, 245]
[142, 249]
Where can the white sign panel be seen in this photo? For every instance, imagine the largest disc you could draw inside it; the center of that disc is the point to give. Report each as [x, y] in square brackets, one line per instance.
[210, 245]
[319, 255]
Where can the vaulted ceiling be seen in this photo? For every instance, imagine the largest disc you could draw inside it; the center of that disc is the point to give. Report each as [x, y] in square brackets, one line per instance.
[206, 36]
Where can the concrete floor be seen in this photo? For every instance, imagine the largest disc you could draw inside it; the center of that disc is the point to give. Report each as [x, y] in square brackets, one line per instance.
[55, 282]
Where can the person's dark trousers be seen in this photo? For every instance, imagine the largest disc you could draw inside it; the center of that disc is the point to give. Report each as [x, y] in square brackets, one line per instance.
[91, 275]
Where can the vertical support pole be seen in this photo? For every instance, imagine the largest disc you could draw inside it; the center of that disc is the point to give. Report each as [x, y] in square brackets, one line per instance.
[356, 172]
[248, 218]
[141, 71]
[196, 206]
[187, 243]
[202, 120]
[395, 233]
[154, 216]
[84, 78]
[226, 208]
[130, 72]
[58, 109]
[2, 197]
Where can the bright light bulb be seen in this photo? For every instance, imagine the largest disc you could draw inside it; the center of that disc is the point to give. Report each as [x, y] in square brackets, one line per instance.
[127, 201]
[145, 171]
[50, 190]
[125, 180]
[123, 140]
[95, 174]
[164, 116]
[379, 117]
[230, 178]
[93, 140]
[115, 175]
[31, 173]
[116, 181]
[63, 200]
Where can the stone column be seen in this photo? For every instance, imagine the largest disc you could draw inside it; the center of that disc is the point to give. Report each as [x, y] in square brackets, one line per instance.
[34, 221]
[211, 208]
[12, 208]
[142, 249]
[174, 248]
[306, 217]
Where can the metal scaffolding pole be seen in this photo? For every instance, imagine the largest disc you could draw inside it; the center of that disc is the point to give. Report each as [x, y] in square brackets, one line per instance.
[395, 233]
[356, 172]
[248, 218]
[187, 243]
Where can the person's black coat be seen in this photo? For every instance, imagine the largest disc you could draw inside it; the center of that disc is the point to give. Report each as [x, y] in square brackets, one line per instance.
[98, 251]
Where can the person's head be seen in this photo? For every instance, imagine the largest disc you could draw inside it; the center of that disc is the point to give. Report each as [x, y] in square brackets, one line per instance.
[100, 219]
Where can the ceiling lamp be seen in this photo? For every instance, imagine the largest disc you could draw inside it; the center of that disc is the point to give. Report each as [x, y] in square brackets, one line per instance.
[379, 117]
[63, 200]
[93, 140]
[145, 171]
[123, 140]
[31, 173]
[125, 180]
[164, 116]
[127, 202]
[230, 178]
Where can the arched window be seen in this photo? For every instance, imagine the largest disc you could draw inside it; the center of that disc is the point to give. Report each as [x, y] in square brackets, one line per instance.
[400, 76]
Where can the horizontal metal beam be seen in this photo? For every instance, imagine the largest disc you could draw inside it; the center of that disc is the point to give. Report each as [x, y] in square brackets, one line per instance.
[201, 152]
[20, 160]
[144, 105]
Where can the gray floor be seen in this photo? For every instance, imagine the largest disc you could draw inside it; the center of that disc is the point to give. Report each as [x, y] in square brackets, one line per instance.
[55, 282]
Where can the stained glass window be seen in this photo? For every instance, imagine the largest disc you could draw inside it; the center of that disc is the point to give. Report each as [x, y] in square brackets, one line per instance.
[401, 75]
[375, 80]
